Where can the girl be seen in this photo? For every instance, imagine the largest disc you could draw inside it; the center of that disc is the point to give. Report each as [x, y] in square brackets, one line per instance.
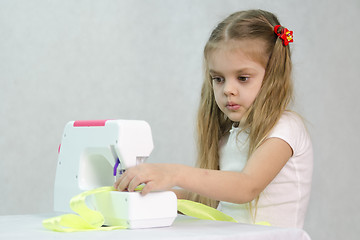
[254, 156]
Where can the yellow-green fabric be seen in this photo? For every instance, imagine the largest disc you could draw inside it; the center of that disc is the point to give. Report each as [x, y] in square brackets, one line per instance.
[90, 220]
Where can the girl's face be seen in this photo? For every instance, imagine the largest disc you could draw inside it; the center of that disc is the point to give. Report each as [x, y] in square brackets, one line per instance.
[236, 79]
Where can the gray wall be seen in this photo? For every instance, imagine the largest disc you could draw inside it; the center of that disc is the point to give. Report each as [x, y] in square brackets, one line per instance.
[70, 60]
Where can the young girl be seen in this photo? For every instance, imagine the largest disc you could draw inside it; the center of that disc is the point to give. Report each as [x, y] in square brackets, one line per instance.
[254, 156]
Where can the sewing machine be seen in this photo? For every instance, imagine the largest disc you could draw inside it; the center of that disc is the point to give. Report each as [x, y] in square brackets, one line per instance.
[93, 154]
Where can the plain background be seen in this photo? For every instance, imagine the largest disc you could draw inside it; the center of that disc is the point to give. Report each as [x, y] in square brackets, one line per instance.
[72, 60]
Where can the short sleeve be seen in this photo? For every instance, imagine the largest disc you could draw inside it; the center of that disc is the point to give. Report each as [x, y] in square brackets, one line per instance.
[292, 130]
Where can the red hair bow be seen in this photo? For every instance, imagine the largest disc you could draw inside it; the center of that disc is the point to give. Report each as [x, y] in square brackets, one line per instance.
[286, 35]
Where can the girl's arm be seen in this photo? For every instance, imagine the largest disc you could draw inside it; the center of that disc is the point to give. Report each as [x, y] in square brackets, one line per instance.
[181, 193]
[236, 187]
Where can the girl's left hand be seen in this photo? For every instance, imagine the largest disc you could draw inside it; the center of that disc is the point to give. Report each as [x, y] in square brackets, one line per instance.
[157, 177]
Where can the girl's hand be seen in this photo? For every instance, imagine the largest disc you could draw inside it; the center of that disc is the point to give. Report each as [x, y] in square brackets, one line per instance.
[157, 177]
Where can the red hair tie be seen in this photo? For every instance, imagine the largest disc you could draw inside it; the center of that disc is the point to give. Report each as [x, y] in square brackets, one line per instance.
[286, 35]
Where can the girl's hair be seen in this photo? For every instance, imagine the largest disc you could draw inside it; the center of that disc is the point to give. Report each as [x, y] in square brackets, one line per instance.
[272, 100]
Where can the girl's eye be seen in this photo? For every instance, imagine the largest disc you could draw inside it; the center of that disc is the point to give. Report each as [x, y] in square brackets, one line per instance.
[218, 79]
[243, 78]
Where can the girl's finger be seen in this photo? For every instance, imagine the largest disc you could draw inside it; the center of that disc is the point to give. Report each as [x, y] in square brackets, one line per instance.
[133, 184]
[148, 187]
[117, 182]
[123, 182]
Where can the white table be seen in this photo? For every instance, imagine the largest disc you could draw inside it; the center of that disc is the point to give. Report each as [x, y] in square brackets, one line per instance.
[184, 227]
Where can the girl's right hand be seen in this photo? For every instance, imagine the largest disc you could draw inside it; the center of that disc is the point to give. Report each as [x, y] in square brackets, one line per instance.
[156, 177]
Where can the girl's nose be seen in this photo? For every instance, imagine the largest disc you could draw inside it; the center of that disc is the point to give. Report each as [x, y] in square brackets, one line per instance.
[230, 88]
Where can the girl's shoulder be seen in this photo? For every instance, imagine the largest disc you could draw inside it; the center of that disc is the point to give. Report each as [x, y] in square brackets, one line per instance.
[291, 119]
[291, 128]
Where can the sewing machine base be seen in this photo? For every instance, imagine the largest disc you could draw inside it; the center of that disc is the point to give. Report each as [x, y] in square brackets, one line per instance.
[130, 209]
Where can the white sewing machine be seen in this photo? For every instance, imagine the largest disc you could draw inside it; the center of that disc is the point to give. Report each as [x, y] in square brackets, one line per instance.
[93, 154]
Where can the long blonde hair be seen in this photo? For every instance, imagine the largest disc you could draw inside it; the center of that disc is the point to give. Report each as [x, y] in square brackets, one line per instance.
[272, 100]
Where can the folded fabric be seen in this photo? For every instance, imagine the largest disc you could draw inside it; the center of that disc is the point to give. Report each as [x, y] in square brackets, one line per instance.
[90, 220]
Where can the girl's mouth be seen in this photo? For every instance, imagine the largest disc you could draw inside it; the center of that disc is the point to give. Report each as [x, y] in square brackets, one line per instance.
[232, 106]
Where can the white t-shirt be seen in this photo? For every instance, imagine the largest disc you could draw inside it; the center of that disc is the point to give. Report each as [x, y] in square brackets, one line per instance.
[284, 201]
